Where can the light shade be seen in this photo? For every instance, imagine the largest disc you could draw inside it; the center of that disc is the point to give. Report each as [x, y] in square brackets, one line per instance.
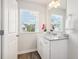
[54, 3]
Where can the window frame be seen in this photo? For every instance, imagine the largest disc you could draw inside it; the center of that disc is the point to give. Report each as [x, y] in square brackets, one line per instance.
[61, 21]
[36, 18]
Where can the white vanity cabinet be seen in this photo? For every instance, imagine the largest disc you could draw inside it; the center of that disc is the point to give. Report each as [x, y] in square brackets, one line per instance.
[59, 49]
[52, 49]
[43, 48]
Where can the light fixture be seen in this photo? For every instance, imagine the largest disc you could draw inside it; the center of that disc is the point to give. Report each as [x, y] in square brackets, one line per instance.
[54, 3]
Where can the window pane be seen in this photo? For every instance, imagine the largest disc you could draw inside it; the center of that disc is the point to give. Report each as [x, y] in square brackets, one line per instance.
[57, 20]
[28, 21]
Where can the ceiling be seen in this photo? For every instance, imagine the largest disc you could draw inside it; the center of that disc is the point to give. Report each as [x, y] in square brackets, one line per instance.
[46, 2]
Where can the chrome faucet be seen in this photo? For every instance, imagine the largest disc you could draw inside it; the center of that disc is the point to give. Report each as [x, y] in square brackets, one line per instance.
[53, 27]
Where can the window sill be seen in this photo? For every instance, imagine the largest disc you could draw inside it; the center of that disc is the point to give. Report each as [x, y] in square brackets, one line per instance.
[30, 32]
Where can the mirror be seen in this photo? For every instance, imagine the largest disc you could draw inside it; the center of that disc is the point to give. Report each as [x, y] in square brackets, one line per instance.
[57, 17]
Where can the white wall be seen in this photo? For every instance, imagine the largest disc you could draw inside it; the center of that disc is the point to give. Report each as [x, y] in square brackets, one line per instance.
[35, 7]
[72, 8]
[27, 41]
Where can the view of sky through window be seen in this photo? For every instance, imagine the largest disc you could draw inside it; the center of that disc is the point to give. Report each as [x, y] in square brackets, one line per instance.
[27, 17]
[28, 21]
[57, 21]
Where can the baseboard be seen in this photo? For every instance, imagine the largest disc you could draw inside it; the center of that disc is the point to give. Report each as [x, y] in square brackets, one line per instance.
[27, 51]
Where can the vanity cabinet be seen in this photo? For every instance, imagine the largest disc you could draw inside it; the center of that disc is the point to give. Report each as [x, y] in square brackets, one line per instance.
[43, 48]
[52, 49]
[58, 49]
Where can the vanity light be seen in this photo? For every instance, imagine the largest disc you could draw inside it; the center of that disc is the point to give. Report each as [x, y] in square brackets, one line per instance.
[54, 3]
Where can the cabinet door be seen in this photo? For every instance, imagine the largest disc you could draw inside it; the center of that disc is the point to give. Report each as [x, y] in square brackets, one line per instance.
[39, 46]
[45, 49]
[59, 49]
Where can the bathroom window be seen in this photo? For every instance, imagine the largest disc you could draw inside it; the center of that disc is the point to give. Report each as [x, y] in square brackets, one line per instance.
[29, 21]
[57, 21]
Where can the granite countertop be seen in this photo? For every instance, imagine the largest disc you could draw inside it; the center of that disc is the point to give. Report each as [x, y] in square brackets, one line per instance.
[55, 37]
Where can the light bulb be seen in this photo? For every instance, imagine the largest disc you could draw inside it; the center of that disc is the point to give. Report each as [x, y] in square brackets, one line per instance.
[54, 4]
[50, 5]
